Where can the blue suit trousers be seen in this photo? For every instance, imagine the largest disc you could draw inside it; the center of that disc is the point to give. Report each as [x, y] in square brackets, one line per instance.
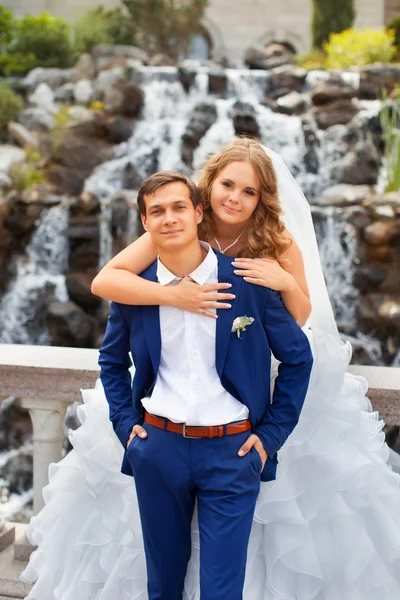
[171, 472]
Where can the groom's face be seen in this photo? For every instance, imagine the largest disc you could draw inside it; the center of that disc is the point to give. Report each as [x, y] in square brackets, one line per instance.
[171, 219]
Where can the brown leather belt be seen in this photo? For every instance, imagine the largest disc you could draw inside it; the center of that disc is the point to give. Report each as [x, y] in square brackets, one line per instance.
[195, 431]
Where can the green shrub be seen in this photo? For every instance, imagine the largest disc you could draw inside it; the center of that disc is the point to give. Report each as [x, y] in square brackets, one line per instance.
[395, 26]
[16, 63]
[7, 25]
[390, 124]
[24, 175]
[359, 48]
[315, 59]
[330, 16]
[98, 25]
[44, 37]
[10, 106]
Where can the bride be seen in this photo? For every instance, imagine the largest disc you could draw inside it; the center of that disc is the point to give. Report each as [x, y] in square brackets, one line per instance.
[328, 527]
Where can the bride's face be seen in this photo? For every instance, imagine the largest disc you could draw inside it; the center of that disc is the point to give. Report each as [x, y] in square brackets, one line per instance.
[235, 193]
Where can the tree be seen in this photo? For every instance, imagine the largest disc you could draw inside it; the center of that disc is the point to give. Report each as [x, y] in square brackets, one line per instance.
[165, 26]
[330, 16]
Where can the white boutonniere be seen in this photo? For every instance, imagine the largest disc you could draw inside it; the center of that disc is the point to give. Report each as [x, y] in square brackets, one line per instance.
[240, 324]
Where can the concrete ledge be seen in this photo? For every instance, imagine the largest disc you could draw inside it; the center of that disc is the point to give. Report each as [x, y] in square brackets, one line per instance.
[23, 549]
[383, 390]
[10, 570]
[46, 371]
[7, 536]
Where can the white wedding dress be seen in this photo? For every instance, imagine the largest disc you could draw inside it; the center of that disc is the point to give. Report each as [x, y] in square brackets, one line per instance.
[328, 528]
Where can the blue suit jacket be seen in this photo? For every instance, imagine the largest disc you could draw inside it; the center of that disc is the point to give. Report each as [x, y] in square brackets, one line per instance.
[243, 364]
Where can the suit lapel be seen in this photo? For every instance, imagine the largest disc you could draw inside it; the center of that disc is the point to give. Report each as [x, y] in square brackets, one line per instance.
[151, 322]
[226, 316]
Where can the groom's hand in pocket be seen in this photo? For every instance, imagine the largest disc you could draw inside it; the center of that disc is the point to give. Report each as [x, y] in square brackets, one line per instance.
[254, 440]
[136, 430]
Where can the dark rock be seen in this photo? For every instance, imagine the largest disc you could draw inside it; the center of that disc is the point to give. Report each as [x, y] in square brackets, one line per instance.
[311, 160]
[357, 168]
[20, 220]
[244, 119]
[78, 286]
[217, 82]
[338, 112]
[204, 115]
[285, 79]
[69, 181]
[368, 278]
[18, 472]
[15, 424]
[69, 325]
[330, 91]
[380, 312]
[344, 195]
[87, 204]
[187, 77]
[257, 57]
[381, 232]
[118, 129]
[124, 98]
[293, 103]
[131, 179]
[378, 77]
[75, 158]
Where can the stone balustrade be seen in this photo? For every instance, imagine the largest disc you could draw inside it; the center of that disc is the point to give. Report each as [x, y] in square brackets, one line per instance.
[48, 379]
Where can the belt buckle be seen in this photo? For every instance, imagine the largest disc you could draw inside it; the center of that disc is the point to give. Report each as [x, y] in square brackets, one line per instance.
[189, 437]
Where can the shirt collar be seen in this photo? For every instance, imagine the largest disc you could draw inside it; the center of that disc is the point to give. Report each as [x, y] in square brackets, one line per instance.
[199, 275]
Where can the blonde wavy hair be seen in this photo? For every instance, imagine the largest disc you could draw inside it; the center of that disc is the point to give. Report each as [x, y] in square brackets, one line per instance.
[265, 232]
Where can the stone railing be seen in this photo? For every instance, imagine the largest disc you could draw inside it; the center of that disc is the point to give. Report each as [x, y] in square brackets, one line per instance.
[48, 379]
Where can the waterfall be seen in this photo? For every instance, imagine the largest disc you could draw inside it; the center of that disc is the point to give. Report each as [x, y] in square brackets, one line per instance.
[156, 144]
[40, 279]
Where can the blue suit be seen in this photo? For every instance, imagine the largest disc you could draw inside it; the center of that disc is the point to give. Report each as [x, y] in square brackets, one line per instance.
[243, 366]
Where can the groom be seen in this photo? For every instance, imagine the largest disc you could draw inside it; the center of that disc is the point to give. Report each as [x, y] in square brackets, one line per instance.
[197, 421]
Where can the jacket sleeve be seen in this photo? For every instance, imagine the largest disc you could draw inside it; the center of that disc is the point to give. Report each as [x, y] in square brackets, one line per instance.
[114, 364]
[291, 347]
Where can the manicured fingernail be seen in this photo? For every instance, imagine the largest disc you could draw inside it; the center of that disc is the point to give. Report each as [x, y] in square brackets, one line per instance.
[236, 271]
[143, 434]
[227, 305]
[241, 453]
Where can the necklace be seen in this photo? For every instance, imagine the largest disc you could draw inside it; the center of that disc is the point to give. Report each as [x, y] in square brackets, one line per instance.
[230, 245]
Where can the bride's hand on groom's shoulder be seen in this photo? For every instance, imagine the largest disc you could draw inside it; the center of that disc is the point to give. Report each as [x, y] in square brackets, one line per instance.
[136, 430]
[265, 272]
[254, 440]
[188, 295]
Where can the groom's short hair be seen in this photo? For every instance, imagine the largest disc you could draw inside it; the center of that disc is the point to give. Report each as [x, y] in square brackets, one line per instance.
[157, 180]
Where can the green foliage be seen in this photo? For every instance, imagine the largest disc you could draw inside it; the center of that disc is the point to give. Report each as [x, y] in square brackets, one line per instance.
[6, 27]
[101, 26]
[315, 59]
[10, 105]
[390, 123]
[44, 36]
[330, 16]
[165, 26]
[24, 175]
[395, 26]
[30, 172]
[359, 48]
[33, 41]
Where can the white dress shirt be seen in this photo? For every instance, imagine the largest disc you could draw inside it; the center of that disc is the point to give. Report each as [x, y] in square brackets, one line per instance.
[188, 389]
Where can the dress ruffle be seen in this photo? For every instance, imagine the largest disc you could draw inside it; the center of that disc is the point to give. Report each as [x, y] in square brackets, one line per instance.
[328, 528]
